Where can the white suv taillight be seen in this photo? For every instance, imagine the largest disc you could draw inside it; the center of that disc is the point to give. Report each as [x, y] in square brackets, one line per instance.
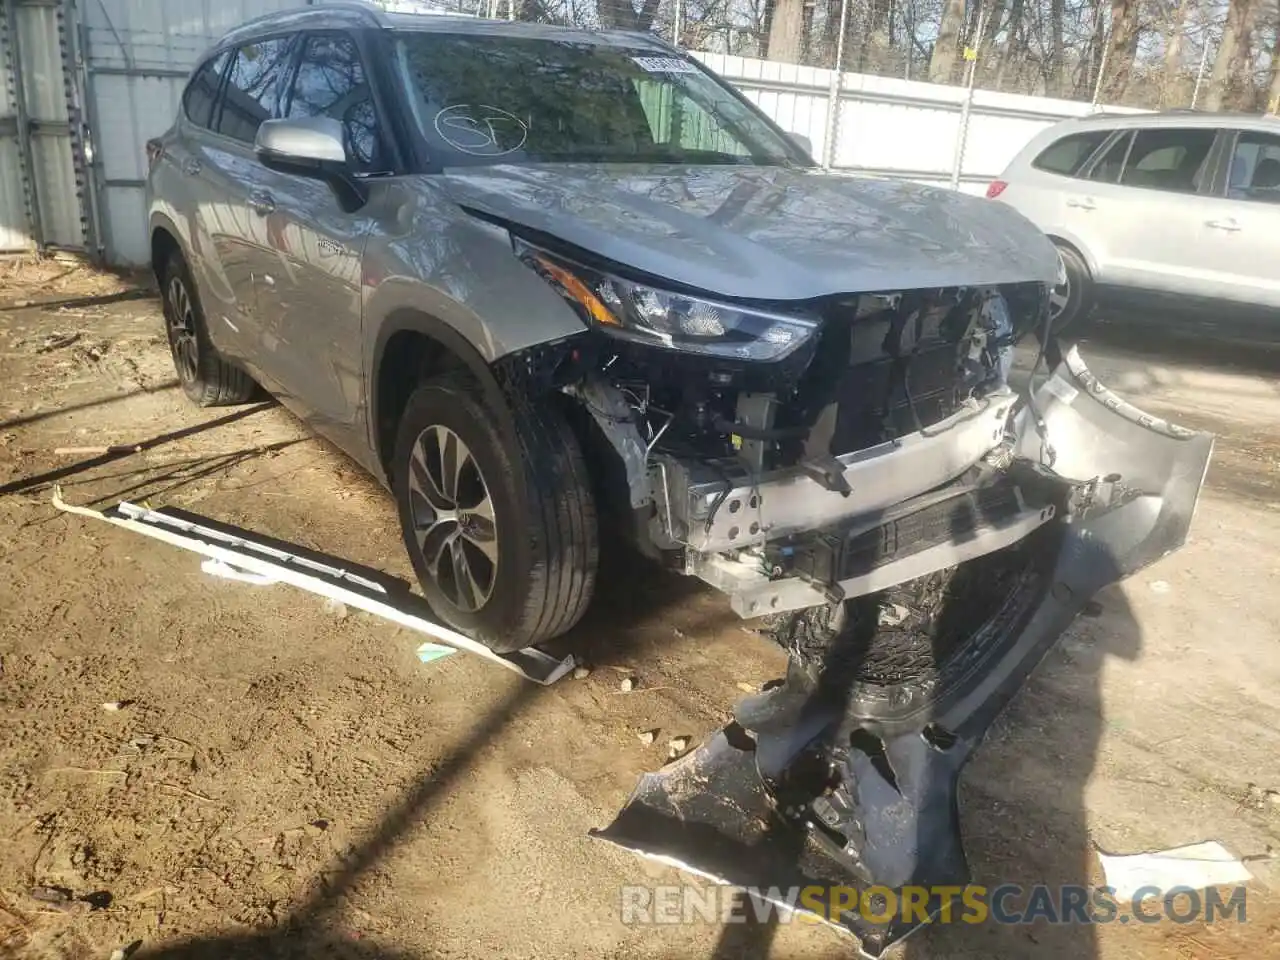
[995, 188]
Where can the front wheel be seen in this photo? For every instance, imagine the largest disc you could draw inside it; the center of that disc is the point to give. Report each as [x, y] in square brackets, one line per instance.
[502, 534]
[1072, 297]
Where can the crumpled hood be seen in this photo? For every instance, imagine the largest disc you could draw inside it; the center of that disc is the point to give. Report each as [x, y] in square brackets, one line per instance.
[767, 233]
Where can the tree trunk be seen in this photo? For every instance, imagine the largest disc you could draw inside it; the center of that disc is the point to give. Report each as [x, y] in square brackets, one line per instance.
[1121, 49]
[1174, 44]
[1058, 69]
[1015, 47]
[1234, 36]
[994, 21]
[786, 34]
[622, 14]
[1273, 94]
[942, 65]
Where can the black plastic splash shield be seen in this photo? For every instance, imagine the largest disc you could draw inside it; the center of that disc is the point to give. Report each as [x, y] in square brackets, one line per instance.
[743, 808]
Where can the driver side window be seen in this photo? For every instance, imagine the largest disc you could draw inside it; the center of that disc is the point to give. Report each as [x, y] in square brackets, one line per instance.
[331, 82]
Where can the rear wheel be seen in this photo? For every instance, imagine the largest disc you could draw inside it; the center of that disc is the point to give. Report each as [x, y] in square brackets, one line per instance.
[206, 379]
[502, 536]
[1072, 298]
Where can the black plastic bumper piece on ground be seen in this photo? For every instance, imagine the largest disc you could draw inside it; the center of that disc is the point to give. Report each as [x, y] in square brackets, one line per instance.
[743, 808]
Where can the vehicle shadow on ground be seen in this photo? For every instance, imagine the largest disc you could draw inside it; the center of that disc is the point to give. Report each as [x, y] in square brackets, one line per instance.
[629, 590]
[1144, 334]
[1022, 798]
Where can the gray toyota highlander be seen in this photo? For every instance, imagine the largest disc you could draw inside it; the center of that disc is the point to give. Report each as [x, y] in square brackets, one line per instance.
[559, 289]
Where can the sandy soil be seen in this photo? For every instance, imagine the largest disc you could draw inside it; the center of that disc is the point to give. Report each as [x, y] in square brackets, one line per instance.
[287, 779]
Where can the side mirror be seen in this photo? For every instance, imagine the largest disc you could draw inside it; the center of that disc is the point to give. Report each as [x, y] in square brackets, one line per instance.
[803, 142]
[310, 144]
[310, 147]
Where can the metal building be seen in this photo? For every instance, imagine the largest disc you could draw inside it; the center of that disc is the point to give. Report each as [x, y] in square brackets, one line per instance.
[83, 85]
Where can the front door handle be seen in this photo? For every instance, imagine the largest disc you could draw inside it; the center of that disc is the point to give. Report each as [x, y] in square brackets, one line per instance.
[1085, 203]
[191, 166]
[262, 203]
[1228, 225]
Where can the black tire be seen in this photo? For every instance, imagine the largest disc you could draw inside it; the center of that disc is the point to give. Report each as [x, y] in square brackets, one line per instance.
[1074, 300]
[207, 379]
[543, 535]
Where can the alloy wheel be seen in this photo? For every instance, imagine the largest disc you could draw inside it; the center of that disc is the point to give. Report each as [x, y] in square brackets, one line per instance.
[453, 521]
[1060, 294]
[182, 331]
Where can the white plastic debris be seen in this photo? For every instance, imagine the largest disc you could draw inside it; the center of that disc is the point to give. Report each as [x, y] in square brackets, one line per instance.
[115, 706]
[325, 575]
[216, 568]
[1198, 866]
[429, 652]
[893, 614]
[628, 684]
[1160, 586]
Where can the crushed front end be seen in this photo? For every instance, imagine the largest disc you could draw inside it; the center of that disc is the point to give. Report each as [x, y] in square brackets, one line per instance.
[845, 775]
[912, 530]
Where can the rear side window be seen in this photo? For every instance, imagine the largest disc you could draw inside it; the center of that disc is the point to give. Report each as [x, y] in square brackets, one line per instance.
[331, 82]
[1109, 165]
[252, 93]
[1067, 156]
[198, 100]
[1255, 168]
[1171, 160]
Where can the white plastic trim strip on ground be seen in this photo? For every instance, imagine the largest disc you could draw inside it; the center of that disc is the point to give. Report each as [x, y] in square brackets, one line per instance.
[272, 564]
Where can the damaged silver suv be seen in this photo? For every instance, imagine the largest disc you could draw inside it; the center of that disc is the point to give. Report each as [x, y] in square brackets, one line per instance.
[556, 288]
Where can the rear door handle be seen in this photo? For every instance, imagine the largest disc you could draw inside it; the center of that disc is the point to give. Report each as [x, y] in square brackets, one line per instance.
[191, 166]
[1228, 225]
[1084, 203]
[262, 203]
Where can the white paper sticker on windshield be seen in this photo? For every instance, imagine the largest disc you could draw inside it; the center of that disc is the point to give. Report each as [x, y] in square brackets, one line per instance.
[665, 65]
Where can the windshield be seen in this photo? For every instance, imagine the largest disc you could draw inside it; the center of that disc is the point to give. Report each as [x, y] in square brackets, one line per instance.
[501, 99]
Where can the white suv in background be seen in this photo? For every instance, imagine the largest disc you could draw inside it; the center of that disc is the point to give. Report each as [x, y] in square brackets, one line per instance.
[1179, 204]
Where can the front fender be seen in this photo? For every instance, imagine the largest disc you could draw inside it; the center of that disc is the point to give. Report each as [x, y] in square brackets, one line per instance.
[425, 254]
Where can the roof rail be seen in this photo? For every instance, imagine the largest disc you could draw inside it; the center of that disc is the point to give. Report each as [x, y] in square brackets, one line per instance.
[375, 14]
[343, 9]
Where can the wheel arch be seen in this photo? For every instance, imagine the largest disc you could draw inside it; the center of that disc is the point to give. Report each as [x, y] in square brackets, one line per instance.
[411, 346]
[1063, 238]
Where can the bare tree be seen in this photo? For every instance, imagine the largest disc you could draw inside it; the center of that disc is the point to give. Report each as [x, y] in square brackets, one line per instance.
[1273, 92]
[1235, 44]
[1175, 36]
[1122, 48]
[786, 31]
[622, 14]
[1058, 65]
[942, 65]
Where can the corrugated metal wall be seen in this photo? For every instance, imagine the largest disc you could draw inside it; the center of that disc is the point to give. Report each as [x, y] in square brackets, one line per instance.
[897, 128]
[41, 190]
[138, 56]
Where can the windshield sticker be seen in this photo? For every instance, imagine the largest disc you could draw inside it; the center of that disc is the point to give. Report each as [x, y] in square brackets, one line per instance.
[665, 65]
[481, 130]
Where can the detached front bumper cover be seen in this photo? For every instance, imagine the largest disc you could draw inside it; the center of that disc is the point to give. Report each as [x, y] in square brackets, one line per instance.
[817, 784]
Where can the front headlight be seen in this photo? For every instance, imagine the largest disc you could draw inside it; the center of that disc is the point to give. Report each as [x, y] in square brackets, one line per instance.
[677, 321]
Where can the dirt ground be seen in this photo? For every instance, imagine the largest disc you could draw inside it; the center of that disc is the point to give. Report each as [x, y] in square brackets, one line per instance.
[288, 779]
